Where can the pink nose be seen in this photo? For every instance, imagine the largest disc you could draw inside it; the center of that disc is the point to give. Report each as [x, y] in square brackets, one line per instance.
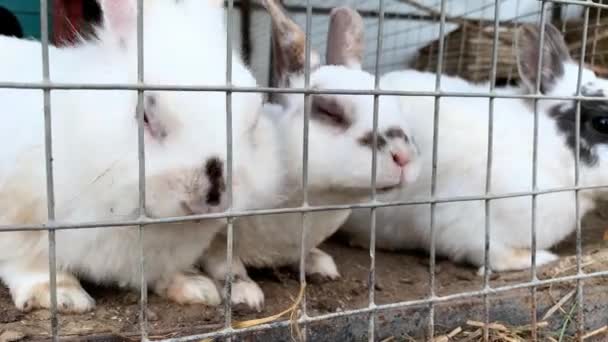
[400, 158]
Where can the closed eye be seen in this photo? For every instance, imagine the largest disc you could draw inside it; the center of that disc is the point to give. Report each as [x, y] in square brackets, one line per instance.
[395, 132]
[335, 118]
[328, 110]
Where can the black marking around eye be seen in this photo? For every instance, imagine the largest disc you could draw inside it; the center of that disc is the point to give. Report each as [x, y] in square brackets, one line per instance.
[565, 117]
[396, 133]
[328, 110]
[214, 172]
[368, 140]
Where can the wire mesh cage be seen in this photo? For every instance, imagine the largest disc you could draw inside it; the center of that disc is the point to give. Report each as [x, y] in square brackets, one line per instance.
[490, 81]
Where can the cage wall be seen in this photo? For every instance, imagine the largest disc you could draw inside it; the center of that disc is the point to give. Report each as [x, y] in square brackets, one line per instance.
[408, 26]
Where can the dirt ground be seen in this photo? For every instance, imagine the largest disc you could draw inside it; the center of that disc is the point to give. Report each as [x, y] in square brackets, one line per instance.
[400, 277]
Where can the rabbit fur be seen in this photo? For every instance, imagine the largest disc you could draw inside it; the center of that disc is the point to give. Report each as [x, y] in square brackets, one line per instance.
[339, 157]
[94, 140]
[462, 158]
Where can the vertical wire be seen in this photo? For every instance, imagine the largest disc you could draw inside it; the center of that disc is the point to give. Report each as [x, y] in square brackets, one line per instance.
[533, 275]
[141, 153]
[372, 243]
[579, 248]
[307, 105]
[431, 325]
[598, 18]
[488, 185]
[463, 42]
[513, 67]
[50, 182]
[565, 8]
[230, 227]
[479, 35]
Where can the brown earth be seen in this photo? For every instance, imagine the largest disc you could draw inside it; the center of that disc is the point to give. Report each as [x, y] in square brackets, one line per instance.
[400, 277]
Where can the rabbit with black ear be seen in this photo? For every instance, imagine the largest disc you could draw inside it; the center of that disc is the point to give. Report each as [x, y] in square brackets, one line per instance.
[340, 153]
[95, 157]
[462, 157]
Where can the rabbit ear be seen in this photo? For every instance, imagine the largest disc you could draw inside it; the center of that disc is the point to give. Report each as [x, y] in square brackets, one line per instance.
[554, 55]
[345, 40]
[288, 45]
[120, 17]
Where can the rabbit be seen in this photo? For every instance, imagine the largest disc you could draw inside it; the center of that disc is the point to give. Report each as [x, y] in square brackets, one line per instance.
[95, 162]
[462, 157]
[340, 154]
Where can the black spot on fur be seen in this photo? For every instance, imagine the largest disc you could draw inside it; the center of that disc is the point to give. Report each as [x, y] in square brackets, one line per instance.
[397, 133]
[368, 140]
[214, 172]
[150, 101]
[328, 110]
[593, 124]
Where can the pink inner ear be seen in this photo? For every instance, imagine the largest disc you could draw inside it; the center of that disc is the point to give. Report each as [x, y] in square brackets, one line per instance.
[120, 15]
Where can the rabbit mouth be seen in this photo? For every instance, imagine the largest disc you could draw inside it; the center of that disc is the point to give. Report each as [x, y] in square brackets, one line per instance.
[389, 188]
[380, 189]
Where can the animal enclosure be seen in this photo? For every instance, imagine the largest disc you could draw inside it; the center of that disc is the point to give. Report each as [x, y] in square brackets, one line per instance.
[406, 295]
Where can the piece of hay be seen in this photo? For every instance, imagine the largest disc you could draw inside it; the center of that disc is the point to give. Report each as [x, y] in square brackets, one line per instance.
[602, 330]
[491, 326]
[292, 310]
[558, 305]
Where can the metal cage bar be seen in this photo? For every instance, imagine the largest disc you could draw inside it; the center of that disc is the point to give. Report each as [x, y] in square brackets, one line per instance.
[488, 185]
[305, 155]
[230, 169]
[533, 272]
[435, 156]
[50, 184]
[148, 221]
[580, 327]
[372, 238]
[141, 153]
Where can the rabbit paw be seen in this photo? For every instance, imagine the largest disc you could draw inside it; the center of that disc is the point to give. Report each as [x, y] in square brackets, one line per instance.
[193, 289]
[321, 264]
[247, 292]
[71, 297]
[517, 259]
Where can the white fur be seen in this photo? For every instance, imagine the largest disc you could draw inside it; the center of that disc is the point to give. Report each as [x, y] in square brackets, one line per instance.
[461, 171]
[339, 173]
[95, 154]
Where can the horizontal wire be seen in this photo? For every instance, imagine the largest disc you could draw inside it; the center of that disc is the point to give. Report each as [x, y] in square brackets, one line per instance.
[236, 89]
[302, 209]
[393, 306]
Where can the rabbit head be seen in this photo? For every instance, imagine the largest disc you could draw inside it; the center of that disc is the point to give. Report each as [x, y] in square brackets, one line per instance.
[559, 76]
[340, 136]
[184, 44]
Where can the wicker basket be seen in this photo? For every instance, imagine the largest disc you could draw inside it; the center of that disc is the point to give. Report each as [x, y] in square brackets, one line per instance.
[468, 49]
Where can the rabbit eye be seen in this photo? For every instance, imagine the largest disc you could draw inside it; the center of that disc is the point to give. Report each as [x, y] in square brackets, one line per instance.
[331, 116]
[600, 124]
[328, 110]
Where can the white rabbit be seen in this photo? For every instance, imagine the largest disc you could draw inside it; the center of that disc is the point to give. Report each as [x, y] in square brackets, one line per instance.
[95, 155]
[462, 157]
[340, 154]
